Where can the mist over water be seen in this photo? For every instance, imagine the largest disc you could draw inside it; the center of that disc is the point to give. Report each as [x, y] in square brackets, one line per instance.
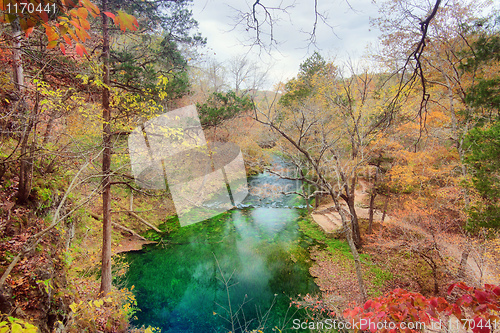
[257, 252]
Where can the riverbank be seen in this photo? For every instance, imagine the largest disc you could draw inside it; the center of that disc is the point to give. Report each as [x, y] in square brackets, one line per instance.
[405, 251]
[131, 243]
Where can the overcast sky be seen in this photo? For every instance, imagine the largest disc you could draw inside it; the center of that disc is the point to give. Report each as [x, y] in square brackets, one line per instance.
[348, 35]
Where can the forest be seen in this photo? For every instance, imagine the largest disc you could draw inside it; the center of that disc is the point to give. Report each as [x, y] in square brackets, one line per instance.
[391, 169]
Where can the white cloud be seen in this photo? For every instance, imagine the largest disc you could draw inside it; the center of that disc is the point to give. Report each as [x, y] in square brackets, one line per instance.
[349, 38]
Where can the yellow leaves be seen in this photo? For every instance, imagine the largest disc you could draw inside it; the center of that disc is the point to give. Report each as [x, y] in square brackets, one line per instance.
[15, 325]
[91, 304]
[52, 44]
[423, 169]
[96, 304]
[162, 81]
[74, 306]
[126, 21]
[93, 9]
[437, 118]
[16, 328]
[82, 13]
[51, 33]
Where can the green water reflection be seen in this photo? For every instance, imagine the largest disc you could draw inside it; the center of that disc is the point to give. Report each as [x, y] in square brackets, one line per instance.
[180, 287]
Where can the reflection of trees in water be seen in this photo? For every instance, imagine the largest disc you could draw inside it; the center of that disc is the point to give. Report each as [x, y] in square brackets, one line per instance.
[178, 287]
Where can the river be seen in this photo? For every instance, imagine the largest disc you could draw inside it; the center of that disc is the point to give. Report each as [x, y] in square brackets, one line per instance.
[235, 272]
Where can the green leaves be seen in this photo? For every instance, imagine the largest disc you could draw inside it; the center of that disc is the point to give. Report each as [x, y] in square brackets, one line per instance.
[222, 106]
[14, 325]
[482, 143]
[483, 159]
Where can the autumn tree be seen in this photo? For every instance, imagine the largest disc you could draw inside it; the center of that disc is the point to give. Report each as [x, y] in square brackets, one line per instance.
[159, 48]
[327, 119]
[73, 25]
[448, 115]
[483, 141]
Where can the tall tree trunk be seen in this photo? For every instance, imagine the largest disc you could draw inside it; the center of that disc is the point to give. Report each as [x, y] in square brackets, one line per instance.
[24, 187]
[373, 194]
[25, 121]
[16, 55]
[106, 277]
[354, 250]
[463, 264]
[356, 236]
[384, 213]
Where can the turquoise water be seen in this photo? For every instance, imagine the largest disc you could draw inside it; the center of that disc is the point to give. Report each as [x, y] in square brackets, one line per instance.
[245, 264]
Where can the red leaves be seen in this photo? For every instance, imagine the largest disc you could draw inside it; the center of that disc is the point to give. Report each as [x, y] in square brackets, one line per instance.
[433, 302]
[80, 49]
[481, 296]
[110, 15]
[402, 308]
[71, 25]
[480, 325]
[352, 313]
[460, 285]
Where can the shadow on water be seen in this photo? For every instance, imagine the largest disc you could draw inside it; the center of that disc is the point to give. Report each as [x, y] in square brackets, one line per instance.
[180, 287]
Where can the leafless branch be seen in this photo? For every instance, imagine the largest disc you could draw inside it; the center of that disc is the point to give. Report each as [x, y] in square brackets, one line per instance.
[418, 73]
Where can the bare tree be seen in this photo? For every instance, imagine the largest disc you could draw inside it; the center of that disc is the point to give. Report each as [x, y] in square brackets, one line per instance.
[260, 20]
[406, 17]
[322, 156]
[245, 75]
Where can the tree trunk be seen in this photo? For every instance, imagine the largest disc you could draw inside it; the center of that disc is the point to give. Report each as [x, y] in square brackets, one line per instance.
[27, 152]
[106, 278]
[16, 54]
[385, 209]
[373, 194]
[24, 189]
[356, 236]
[354, 251]
[24, 120]
[463, 264]
[349, 192]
